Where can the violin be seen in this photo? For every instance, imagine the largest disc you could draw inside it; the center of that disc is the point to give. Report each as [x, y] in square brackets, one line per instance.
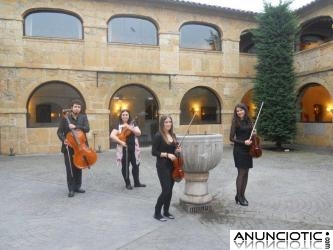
[126, 132]
[255, 149]
[83, 157]
[177, 171]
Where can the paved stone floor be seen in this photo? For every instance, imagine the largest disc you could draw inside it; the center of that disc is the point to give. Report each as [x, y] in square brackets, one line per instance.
[286, 190]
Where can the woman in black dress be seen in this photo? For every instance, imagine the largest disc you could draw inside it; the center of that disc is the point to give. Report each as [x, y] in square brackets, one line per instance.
[240, 132]
[164, 147]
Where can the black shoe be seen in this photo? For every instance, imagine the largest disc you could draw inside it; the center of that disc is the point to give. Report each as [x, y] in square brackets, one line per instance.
[236, 199]
[168, 215]
[139, 185]
[71, 193]
[129, 186]
[245, 201]
[160, 218]
[80, 190]
[241, 201]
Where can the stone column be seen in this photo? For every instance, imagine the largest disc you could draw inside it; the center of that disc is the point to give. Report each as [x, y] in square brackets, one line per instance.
[230, 57]
[169, 53]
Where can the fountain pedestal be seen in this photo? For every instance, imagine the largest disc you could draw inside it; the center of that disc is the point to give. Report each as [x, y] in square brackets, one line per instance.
[201, 153]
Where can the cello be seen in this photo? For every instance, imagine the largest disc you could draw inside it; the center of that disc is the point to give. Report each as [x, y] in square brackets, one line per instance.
[177, 171]
[255, 149]
[83, 156]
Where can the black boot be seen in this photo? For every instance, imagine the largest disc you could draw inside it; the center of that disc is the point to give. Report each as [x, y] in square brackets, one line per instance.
[240, 199]
[138, 184]
[136, 177]
[128, 185]
[245, 201]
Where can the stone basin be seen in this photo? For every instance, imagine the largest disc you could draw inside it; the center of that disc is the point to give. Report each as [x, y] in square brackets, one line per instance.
[201, 153]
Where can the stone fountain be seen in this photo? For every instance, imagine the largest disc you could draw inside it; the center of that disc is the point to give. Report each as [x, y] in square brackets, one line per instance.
[201, 153]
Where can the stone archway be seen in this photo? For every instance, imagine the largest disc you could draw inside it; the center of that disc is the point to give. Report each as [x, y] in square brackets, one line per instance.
[315, 103]
[142, 104]
[203, 102]
[46, 102]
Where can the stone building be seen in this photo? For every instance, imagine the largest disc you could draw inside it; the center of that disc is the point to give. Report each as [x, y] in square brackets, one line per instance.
[152, 57]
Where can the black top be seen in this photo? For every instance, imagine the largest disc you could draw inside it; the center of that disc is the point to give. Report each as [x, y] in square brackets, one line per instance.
[240, 133]
[159, 146]
[81, 122]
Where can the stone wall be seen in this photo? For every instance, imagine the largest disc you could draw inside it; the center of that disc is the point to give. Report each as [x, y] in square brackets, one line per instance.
[98, 69]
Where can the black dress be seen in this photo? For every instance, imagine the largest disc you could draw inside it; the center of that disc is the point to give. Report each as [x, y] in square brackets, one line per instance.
[238, 135]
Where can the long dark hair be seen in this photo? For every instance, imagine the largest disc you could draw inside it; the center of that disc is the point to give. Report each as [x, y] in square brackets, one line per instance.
[129, 116]
[161, 128]
[236, 120]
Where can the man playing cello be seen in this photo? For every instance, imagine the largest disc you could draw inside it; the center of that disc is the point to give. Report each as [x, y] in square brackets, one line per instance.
[75, 120]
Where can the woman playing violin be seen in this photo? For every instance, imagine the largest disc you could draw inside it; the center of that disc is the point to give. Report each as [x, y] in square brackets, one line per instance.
[124, 134]
[164, 147]
[77, 120]
[240, 132]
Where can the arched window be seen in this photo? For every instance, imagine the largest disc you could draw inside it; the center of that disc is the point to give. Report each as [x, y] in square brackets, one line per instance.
[52, 24]
[46, 103]
[200, 36]
[246, 43]
[314, 32]
[204, 103]
[132, 30]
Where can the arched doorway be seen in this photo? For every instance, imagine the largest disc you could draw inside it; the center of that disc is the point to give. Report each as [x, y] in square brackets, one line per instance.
[142, 105]
[315, 103]
[203, 102]
[46, 102]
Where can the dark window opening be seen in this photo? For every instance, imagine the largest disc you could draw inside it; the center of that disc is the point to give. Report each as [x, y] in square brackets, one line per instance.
[43, 113]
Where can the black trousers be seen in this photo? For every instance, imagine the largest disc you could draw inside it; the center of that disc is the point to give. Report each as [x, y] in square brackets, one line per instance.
[74, 174]
[135, 168]
[166, 181]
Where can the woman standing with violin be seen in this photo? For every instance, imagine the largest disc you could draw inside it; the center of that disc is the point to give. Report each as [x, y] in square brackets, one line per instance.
[77, 121]
[124, 134]
[240, 133]
[164, 147]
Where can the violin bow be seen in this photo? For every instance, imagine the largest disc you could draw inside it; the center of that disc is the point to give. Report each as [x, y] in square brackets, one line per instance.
[255, 123]
[195, 113]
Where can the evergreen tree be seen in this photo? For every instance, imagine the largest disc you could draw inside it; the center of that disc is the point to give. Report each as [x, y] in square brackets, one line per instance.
[275, 76]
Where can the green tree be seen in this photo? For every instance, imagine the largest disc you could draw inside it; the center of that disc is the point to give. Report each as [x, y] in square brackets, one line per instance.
[275, 76]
